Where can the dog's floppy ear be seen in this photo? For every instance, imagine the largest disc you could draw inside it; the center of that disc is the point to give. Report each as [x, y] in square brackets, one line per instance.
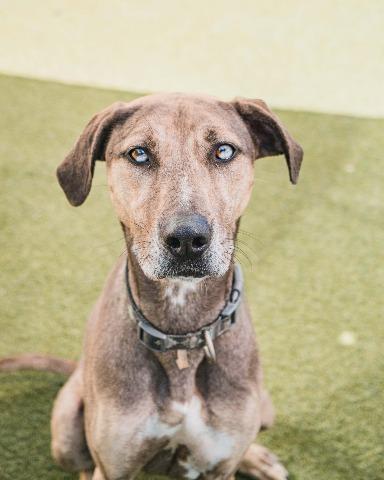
[76, 171]
[269, 135]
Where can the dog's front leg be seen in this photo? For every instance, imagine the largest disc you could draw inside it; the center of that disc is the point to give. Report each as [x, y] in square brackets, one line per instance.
[68, 444]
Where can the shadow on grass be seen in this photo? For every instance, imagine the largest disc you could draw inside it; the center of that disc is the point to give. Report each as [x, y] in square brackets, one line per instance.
[25, 406]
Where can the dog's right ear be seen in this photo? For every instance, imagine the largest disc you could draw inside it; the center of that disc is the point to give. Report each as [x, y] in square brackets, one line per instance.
[76, 171]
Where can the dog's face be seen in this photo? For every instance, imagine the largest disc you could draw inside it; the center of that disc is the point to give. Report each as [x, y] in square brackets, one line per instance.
[180, 174]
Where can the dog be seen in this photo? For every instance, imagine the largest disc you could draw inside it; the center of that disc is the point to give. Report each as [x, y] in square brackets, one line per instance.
[169, 381]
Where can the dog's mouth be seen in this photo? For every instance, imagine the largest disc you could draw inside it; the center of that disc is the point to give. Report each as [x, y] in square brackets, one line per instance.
[187, 270]
[213, 264]
[163, 266]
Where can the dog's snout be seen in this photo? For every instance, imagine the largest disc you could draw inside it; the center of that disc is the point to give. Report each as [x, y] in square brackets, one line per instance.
[187, 236]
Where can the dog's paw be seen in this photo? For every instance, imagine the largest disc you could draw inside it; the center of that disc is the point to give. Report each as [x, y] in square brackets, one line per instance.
[258, 462]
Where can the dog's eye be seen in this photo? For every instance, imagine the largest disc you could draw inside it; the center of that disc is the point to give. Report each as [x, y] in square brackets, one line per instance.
[139, 155]
[225, 152]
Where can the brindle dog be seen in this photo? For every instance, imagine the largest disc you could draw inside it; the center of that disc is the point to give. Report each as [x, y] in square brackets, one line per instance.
[180, 174]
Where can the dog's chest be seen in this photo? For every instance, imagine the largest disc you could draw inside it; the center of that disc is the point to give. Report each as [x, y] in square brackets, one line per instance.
[186, 424]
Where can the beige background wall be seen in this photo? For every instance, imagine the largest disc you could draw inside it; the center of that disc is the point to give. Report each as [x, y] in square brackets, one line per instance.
[315, 55]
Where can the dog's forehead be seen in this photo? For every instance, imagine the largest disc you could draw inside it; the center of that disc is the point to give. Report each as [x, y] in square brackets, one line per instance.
[185, 113]
[171, 103]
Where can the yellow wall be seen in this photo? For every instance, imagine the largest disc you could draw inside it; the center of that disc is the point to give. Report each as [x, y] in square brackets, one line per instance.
[323, 55]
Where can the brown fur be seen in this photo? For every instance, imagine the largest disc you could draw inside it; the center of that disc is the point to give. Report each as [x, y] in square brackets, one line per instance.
[119, 407]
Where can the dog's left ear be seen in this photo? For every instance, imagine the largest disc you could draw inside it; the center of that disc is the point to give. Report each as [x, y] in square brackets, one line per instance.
[269, 134]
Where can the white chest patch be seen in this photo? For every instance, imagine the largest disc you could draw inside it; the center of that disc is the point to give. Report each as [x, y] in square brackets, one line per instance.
[178, 290]
[207, 446]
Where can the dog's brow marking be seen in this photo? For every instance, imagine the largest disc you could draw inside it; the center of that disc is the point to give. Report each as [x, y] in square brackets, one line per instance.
[210, 136]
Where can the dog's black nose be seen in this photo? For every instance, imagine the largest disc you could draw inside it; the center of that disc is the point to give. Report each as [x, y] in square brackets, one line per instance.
[187, 236]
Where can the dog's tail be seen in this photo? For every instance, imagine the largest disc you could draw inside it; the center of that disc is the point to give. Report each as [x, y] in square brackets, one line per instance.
[34, 361]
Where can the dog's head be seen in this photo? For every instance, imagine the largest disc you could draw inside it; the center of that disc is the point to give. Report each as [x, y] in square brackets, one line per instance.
[180, 174]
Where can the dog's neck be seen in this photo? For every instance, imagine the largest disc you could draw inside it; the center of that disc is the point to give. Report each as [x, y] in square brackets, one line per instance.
[178, 305]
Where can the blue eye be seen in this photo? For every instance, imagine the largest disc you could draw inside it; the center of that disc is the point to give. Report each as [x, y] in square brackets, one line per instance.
[139, 155]
[225, 152]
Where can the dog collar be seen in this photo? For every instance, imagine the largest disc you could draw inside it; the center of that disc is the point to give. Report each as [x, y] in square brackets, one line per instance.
[158, 341]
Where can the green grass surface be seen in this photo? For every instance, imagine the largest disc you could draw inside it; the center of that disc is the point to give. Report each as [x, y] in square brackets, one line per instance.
[317, 271]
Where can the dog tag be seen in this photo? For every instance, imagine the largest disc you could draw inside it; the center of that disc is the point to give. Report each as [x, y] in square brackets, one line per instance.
[182, 359]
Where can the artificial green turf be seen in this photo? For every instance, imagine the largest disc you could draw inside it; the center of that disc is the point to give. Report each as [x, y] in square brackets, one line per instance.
[317, 270]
